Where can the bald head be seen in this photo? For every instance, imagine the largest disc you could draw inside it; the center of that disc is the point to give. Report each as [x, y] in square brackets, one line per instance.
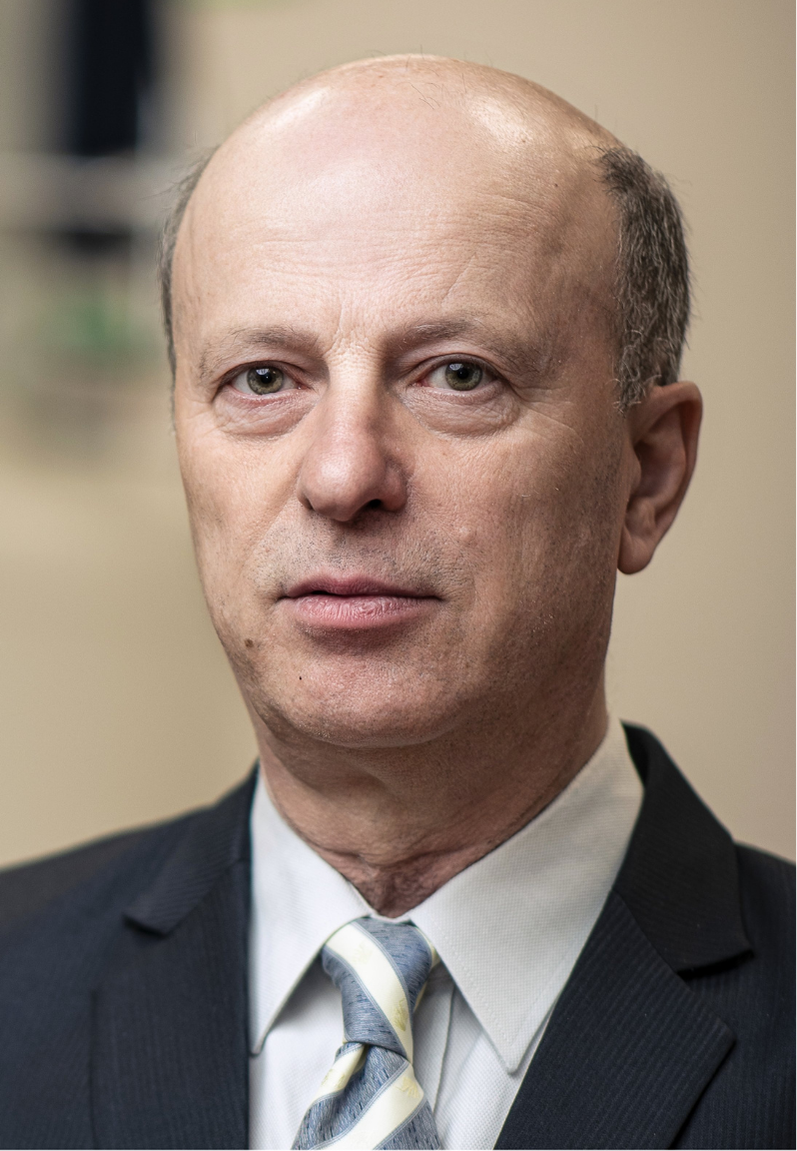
[440, 95]
[408, 136]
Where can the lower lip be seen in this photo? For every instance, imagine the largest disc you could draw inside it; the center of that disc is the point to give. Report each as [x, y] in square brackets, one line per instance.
[356, 612]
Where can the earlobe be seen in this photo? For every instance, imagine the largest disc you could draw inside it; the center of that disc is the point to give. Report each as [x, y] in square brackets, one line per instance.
[663, 433]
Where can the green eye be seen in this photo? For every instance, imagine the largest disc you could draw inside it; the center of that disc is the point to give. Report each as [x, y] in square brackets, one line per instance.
[264, 381]
[463, 377]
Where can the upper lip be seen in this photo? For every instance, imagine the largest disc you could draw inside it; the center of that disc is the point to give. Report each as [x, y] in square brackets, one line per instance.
[351, 585]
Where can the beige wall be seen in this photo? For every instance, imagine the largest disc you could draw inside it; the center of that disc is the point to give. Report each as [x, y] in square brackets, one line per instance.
[117, 704]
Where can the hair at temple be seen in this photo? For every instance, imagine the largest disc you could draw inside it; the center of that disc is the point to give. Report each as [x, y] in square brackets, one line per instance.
[652, 281]
[652, 269]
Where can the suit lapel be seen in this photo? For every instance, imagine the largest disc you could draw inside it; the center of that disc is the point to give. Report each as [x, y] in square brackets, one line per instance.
[625, 1056]
[169, 1042]
[629, 1048]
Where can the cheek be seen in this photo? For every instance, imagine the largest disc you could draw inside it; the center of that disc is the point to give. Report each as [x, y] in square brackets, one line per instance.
[571, 533]
[537, 516]
[231, 495]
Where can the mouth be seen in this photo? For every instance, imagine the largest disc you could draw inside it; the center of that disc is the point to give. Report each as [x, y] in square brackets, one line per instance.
[355, 603]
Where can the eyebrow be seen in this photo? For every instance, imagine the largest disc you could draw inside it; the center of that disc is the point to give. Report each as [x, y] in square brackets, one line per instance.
[518, 355]
[214, 357]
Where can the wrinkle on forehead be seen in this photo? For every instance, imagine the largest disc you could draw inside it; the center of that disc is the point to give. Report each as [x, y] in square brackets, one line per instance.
[406, 155]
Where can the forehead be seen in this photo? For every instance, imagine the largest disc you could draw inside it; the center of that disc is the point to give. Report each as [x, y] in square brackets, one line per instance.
[337, 204]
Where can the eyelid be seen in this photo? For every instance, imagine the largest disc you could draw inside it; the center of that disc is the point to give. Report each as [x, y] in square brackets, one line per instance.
[229, 378]
[443, 361]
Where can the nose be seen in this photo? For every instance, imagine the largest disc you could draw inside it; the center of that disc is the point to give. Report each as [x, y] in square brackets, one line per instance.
[351, 462]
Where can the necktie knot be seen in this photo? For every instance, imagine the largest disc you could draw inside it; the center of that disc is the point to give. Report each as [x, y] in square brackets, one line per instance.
[370, 1096]
[381, 969]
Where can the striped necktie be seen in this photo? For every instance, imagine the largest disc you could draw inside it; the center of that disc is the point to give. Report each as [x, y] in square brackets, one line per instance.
[370, 1097]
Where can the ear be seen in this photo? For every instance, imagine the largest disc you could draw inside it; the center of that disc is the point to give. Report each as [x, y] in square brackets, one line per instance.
[662, 439]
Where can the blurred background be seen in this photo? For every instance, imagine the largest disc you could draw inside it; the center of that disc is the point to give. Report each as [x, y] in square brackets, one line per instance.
[117, 704]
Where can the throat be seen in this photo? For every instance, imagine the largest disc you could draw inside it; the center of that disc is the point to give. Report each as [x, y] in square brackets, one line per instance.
[395, 889]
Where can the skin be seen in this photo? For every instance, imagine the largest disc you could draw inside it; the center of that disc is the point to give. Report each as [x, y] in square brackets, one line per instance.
[413, 581]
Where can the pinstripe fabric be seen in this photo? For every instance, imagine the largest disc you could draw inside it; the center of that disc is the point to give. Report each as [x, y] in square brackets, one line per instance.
[664, 1046]
[370, 1097]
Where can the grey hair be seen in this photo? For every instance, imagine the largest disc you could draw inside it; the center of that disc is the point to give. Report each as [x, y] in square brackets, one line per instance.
[652, 274]
[651, 278]
[181, 193]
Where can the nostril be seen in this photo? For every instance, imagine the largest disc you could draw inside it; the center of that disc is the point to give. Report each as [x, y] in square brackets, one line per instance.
[374, 504]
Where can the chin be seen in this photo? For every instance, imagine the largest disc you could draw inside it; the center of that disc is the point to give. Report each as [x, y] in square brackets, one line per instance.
[370, 701]
[402, 720]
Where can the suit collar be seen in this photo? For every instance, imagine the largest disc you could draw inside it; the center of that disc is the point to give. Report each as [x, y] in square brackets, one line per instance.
[680, 876]
[630, 1048]
[169, 1060]
[213, 841]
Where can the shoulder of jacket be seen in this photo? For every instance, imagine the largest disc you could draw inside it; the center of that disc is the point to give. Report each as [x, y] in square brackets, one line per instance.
[28, 888]
[767, 885]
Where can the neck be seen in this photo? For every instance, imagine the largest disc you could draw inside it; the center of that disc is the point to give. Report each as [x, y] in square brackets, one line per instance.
[398, 823]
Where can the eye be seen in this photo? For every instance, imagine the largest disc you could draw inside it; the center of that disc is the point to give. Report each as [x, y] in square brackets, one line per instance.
[264, 381]
[459, 375]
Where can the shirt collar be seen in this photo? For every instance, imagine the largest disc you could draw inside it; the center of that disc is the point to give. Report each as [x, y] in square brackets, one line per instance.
[298, 902]
[509, 928]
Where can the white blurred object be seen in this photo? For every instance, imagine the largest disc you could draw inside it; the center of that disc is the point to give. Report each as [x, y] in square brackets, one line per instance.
[49, 191]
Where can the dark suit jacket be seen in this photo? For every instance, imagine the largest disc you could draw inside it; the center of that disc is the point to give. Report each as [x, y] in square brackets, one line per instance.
[123, 992]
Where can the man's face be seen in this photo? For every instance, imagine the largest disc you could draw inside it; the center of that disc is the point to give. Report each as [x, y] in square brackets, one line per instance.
[396, 421]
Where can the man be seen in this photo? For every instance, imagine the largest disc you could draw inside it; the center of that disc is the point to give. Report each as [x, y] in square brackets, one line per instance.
[425, 322]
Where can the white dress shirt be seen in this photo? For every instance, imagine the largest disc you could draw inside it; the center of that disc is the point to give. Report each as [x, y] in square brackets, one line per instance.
[508, 930]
